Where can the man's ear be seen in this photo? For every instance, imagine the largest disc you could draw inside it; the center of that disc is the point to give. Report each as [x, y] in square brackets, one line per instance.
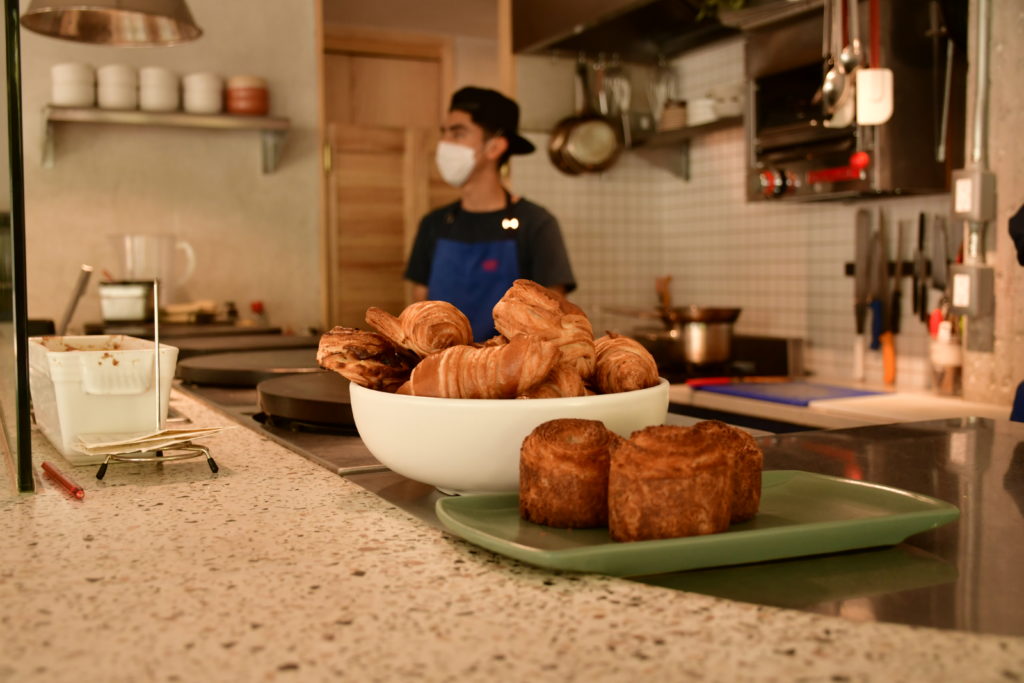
[495, 147]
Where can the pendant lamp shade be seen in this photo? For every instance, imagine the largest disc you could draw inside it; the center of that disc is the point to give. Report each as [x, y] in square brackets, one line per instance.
[118, 23]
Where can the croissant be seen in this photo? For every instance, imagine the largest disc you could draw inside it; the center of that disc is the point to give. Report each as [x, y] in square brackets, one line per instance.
[529, 308]
[366, 358]
[563, 381]
[487, 372]
[424, 327]
[623, 364]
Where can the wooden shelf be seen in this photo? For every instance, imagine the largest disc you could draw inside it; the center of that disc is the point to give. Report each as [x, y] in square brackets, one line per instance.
[272, 129]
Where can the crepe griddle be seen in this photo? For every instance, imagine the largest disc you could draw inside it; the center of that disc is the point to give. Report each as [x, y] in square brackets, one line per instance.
[318, 398]
[190, 347]
[246, 369]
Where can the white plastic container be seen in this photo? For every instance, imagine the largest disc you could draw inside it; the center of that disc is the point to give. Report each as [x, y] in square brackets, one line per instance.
[96, 385]
[73, 85]
[126, 301]
[203, 93]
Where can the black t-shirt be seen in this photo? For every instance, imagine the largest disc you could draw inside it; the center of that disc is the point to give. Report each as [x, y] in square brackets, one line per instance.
[539, 244]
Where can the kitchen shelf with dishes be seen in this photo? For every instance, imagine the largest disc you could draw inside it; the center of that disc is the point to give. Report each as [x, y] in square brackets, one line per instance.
[680, 138]
[272, 130]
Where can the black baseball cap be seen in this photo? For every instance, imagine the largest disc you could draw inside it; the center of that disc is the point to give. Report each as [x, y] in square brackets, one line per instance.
[492, 110]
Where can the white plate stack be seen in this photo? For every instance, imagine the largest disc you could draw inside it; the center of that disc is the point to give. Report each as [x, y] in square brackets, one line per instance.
[158, 89]
[204, 93]
[73, 85]
[117, 87]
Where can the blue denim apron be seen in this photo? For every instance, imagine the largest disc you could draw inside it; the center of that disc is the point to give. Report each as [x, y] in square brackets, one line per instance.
[473, 276]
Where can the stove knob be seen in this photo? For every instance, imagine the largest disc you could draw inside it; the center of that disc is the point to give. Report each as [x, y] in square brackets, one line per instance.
[776, 182]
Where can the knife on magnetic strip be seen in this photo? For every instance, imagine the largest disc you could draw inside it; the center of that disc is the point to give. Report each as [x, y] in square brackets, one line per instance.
[861, 293]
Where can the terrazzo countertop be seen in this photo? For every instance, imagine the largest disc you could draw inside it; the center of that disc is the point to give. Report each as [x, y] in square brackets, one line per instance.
[277, 570]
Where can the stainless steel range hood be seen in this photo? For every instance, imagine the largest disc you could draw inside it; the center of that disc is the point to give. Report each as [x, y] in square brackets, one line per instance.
[636, 30]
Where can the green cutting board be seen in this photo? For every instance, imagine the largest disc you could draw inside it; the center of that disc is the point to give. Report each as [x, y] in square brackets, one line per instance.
[801, 513]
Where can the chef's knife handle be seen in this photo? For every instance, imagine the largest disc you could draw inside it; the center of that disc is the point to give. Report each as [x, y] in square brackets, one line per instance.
[894, 312]
[860, 312]
[888, 358]
[877, 324]
[858, 357]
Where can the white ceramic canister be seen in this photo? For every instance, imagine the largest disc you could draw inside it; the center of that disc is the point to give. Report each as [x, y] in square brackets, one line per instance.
[203, 93]
[73, 85]
[117, 87]
[158, 89]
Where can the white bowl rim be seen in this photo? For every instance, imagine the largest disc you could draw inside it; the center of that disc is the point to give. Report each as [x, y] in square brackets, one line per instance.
[433, 400]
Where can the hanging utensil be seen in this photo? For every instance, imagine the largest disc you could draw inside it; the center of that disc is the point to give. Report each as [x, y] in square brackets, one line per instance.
[621, 92]
[76, 295]
[940, 254]
[852, 56]
[664, 88]
[874, 83]
[585, 142]
[834, 87]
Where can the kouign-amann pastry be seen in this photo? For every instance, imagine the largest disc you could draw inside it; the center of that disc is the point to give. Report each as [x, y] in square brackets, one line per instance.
[504, 371]
[666, 482]
[747, 464]
[563, 474]
[366, 358]
[424, 327]
[623, 364]
[529, 308]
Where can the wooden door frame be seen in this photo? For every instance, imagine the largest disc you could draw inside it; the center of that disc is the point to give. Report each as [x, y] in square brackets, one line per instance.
[380, 43]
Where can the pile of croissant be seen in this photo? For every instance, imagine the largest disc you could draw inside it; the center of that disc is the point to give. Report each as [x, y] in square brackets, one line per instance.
[545, 349]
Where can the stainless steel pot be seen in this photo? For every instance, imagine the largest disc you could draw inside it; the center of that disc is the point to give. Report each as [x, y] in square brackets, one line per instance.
[694, 335]
[693, 343]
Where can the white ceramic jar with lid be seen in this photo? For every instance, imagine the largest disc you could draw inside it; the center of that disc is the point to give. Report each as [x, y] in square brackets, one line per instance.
[158, 89]
[117, 87]
[203, 93]
[73, 85]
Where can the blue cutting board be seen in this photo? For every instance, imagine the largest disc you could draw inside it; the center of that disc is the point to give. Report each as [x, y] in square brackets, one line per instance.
[790, 393]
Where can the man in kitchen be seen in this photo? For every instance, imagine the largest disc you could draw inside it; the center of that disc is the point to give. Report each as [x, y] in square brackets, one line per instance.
[468, 253]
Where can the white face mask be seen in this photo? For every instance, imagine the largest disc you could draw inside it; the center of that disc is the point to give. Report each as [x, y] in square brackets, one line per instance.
[455, 162]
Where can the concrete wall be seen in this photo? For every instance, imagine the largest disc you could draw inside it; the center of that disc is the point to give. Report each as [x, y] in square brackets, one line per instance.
[256, 235]
[994, 376]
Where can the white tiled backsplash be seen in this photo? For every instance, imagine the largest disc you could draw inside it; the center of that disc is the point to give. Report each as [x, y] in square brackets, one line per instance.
[782, 263]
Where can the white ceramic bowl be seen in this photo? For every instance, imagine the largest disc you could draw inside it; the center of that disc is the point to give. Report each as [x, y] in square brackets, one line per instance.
[472, 445]
[117, 74]
[154, 76]
[158, 98]
[73, 72]
[73, 94]
[117, 96]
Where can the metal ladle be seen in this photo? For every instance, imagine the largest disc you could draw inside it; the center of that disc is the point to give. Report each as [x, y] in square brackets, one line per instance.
[834, 88]
[852, 55]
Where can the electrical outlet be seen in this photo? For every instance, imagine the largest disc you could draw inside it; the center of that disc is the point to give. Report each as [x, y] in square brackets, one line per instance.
[974, 195]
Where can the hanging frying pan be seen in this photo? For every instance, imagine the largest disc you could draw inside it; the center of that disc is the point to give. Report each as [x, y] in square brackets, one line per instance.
[586, 142]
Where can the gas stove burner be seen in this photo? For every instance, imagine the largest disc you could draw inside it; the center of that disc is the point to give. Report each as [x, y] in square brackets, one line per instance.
[305, 425]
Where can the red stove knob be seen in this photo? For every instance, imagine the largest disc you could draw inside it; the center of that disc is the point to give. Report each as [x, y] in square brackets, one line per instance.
[777, 182]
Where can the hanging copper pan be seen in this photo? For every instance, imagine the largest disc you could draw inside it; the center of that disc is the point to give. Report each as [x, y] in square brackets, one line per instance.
[586, 142]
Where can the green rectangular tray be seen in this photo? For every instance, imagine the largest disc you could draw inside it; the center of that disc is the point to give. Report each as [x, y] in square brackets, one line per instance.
[801, 513]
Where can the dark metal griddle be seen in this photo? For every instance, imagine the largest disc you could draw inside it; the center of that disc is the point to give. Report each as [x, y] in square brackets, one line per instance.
[248, 368]
[319, 398]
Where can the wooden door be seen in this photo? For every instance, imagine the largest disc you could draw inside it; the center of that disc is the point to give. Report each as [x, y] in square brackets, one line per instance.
[382, 181]
[383, 101]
